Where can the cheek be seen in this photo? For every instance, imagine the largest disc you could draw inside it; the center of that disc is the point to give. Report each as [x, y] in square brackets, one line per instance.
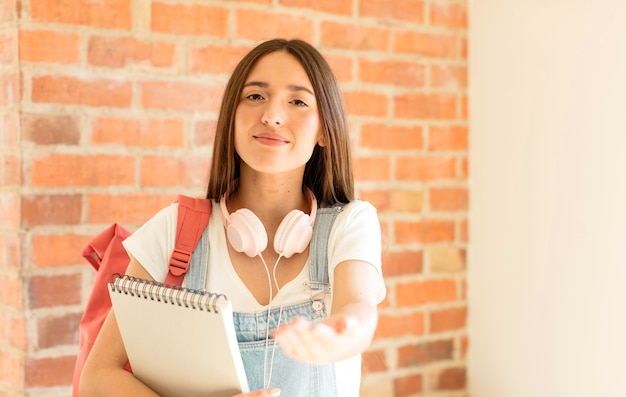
[312, 125]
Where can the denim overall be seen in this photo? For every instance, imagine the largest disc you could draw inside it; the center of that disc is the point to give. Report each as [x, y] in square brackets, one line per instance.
[294, 378]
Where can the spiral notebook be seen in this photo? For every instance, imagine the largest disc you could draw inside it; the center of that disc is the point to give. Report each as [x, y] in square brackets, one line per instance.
[179, 341]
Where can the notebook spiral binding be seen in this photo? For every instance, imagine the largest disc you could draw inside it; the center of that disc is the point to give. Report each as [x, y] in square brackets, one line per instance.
[168, 293]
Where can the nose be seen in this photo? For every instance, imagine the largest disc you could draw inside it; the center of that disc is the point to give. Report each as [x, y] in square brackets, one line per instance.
[273, 114]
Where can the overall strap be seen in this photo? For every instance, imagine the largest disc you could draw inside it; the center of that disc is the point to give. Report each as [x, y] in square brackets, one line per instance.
[199, 266]
[193, 216]
[319, 279]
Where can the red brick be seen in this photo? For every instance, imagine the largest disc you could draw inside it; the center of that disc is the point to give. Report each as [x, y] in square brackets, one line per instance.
[10, 170]
[449, 76]
[448, 319]
[216, 59]
[464, 107]
[113, 14]
[189, 19]
[11, 291]
[448, 138]
[372, 168]
[401, 73]
[10, 209]
[399, 325]
[403, 263]
[10, 250]
[425, 168]
[341, 66]
[75, 91]
[8, 10]
[53, 331]
[408, 385]
[380, 198]
[417, 293]
[364, 103]
[425, 231]
[56, 170]
[327, 6]
[464, 168]
[126, 209]
[464, 48]
[373, 361]
[180, 96]
[57, 250]
[204, 132]
[57, 290]
[354, 36]
[9, 131]
[400, 10]
[256, 25]
[10, 89]
[426, 44]
[54, 209]
[17, 335]
[118, 52]
[464, 346]
[463, 230]
[448, 15]
[425, 353]
[426, 106]
[391, 137]
[12, 363]
[50, 371]
[407, 200]
[448, 199]
[174, 171]
[145, 132]
[267, 2]
[51, 129]
[446, 259]
[450, 379]
[49, 46]
[7, 48]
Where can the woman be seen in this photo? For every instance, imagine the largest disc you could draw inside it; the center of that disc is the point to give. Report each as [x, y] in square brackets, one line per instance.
[281, 151]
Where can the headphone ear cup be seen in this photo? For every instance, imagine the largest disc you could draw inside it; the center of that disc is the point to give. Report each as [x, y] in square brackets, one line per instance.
[293, 234]
[246, 233]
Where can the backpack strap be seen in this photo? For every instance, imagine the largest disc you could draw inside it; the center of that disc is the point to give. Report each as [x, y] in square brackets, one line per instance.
[193, 216]
[318, 277]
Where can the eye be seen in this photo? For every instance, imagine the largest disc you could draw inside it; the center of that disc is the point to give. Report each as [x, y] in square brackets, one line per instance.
[299, 103]
[254, 97]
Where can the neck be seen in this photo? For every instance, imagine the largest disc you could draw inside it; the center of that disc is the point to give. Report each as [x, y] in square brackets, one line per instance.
[270, 198]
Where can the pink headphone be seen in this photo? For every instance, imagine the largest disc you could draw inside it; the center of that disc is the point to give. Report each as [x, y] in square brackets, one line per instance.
[246, 232]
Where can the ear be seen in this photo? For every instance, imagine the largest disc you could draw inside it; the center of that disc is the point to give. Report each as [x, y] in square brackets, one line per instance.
[321, 140]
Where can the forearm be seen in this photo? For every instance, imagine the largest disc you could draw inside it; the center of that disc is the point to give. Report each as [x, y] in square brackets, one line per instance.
[360, 316]
[112, 382]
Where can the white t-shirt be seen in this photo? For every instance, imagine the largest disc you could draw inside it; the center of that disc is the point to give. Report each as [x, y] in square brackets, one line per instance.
[355, 236]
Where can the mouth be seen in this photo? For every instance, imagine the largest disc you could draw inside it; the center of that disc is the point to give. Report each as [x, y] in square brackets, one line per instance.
[270, 139]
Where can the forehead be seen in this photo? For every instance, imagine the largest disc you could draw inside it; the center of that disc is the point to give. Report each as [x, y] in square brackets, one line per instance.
[279, 68]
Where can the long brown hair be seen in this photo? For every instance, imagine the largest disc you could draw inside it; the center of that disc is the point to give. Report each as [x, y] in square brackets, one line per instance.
[329, 170]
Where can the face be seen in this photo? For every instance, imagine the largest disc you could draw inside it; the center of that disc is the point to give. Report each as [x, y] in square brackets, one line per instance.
[277, 123]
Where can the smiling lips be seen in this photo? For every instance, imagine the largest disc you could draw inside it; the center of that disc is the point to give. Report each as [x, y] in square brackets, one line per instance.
[270, 139]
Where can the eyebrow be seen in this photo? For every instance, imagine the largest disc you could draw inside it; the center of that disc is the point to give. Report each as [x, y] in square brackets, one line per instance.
[291, 87]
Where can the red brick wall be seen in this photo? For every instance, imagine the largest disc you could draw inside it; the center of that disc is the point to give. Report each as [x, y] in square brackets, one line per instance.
[116, 116]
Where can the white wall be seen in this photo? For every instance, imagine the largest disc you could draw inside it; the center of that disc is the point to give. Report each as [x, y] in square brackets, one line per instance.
[547, 260]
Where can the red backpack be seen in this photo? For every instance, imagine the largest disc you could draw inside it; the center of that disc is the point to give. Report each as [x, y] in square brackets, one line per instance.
[107, 255]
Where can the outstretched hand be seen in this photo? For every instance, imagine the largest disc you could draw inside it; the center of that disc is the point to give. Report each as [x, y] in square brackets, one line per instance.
[330, 340]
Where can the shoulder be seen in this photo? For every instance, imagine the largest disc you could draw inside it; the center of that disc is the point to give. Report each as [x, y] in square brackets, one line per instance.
[161, 223]
[356, 218]
[357, 211]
